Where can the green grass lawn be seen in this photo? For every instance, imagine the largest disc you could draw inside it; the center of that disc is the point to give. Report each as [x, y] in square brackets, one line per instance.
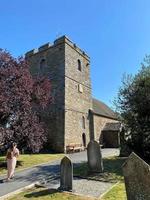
[46, 194]
[28, 160]
[116, 193]
[112, 170]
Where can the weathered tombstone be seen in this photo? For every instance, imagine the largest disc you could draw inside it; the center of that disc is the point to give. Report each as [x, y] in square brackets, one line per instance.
[95, 162]
[66, 174]
[137, 178]
[125, 151]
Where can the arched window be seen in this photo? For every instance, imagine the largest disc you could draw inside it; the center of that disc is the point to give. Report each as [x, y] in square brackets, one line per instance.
[79, 65]
[42, 64]
[83, 122]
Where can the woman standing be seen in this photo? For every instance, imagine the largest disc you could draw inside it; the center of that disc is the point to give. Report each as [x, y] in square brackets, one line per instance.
[11, 157]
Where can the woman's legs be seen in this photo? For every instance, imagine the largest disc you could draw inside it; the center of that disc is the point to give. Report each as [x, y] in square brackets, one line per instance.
[9, 168]
[11, 164]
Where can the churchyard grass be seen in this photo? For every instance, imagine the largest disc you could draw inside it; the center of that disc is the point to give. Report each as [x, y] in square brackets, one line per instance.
[29, 160]
[112, 170]
[46, 194]
[116, 193]
[112, 173]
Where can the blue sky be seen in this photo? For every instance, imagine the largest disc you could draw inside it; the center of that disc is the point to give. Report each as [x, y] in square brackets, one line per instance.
[115, 33]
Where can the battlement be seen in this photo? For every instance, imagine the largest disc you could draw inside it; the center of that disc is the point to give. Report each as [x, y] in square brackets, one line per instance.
[44, 47]
[58, 41]
[32, 52]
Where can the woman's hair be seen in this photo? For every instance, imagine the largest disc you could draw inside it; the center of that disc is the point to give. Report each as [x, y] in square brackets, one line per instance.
[12, 145]
[10, 150]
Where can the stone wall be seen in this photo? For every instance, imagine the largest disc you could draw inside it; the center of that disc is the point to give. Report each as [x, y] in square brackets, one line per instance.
[99, 123]
[74, 128]
[78, 98]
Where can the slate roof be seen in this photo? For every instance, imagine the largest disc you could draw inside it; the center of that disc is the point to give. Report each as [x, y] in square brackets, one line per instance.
[112, 126]
[102, 109]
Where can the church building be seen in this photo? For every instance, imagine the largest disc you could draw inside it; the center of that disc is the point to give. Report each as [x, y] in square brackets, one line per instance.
[73, 117]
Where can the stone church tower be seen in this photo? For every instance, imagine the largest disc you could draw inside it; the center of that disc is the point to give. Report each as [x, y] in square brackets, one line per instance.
[68, 68]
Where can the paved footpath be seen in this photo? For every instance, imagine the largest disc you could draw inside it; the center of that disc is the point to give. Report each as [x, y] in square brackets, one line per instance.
[46, 172]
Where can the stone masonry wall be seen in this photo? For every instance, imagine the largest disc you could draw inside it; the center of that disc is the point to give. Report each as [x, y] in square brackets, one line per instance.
[99, 123]
[74, 128]
[77, 102]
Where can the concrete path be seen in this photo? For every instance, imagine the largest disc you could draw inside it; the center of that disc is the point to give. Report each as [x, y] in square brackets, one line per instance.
[47, 172]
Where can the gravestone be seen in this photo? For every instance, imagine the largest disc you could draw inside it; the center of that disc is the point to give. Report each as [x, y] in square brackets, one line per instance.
[137, 178]
[125, 151]
[95, 162]
[66, 174]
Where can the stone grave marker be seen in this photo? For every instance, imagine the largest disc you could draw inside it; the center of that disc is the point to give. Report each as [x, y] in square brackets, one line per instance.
[137, 178]
[66, 174]
[95, 162]
[125, 151]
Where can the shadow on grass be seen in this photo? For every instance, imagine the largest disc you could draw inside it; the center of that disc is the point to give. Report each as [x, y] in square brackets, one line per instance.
[112, 170]
[114, 165]
[40, 193]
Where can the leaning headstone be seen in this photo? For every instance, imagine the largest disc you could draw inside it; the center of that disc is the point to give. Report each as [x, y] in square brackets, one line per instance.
[137, 178]
[95, 162]
[66, 174]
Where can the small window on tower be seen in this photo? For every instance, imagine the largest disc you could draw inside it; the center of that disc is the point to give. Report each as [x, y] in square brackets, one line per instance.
[79, 65]
[83, 122]
[42, 64]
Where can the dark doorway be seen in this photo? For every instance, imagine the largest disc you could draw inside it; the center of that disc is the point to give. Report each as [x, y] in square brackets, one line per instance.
[84, 139]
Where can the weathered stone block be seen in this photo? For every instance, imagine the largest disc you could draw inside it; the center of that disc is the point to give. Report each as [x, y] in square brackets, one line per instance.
[44, 47]
[32, 52]
[137, 178]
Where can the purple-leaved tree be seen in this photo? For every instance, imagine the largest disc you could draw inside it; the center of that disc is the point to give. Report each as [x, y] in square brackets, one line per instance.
[19, 93]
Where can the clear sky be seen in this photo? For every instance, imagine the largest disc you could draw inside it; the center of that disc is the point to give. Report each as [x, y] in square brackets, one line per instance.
[115, 34]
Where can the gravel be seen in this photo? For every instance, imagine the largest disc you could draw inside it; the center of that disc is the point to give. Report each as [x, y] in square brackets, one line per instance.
[84, 187]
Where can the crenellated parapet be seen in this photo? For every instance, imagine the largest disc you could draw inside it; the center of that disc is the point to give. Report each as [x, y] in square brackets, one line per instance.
[57, 42]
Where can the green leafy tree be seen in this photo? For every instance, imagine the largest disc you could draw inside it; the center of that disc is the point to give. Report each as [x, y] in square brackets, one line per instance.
[133, 103]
